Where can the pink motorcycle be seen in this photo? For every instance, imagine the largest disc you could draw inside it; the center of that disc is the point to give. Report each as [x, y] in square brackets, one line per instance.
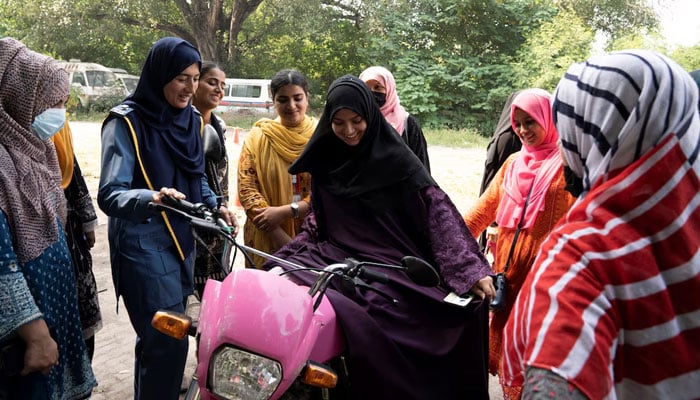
[262, 336]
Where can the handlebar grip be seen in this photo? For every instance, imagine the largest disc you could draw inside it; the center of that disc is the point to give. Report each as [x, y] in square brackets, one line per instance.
[179, 204]
[374, 276]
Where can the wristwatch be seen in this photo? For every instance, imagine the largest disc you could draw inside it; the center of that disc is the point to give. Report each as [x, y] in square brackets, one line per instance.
[295, 209]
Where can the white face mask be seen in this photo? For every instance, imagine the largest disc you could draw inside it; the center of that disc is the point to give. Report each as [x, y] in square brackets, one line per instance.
[49, 122]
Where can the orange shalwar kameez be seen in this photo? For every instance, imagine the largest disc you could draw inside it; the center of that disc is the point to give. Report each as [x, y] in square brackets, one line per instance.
[483, 213]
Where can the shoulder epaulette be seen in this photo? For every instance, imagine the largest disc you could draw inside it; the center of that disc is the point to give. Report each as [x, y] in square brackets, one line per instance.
[121, 110]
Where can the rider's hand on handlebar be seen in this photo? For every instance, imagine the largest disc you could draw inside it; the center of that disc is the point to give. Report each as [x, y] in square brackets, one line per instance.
[157, 197]
[484, 288]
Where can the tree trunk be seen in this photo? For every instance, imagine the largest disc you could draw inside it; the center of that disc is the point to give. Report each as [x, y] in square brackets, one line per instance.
[215, 34]
[241, 11]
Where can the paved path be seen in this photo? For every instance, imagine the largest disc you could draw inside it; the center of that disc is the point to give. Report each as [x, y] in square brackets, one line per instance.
[457, 171]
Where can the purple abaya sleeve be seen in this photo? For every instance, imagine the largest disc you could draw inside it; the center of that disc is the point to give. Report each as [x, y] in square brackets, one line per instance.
[456, 251]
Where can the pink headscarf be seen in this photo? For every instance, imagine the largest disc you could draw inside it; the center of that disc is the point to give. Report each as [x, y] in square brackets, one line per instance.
[534, 166]
[392, 110]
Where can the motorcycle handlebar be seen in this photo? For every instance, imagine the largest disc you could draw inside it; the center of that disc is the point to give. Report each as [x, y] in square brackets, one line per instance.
[374, 276]
[198, 214]
[179, 204]
[201, 216]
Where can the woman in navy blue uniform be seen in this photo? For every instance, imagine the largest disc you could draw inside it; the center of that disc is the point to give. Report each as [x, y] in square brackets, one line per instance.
[151, 146]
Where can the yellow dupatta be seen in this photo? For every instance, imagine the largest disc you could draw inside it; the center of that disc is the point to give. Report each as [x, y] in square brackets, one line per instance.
[63, 141]
[276, 147]
[273, 148]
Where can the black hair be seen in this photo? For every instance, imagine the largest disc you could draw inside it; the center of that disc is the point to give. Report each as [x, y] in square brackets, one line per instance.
[208, 66]
[288, 77]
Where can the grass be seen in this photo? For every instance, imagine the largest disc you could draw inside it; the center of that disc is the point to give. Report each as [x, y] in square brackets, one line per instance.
[243, 120]
[462, 138]
[92, 116]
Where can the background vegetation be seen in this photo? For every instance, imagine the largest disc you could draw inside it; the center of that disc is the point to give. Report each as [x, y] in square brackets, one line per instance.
[455, 61]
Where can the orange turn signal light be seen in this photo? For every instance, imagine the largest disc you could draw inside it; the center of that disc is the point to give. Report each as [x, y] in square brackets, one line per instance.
[319, 376]
[171, 323]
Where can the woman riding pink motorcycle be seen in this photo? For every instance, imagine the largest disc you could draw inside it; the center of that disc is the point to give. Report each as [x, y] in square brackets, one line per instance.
[373, 200]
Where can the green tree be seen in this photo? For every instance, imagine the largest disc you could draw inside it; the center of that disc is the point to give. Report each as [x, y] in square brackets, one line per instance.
[455, 61]
[97, 28]
[551, 49]
[651, 41]
[323, 40]
[687, 57]
[452, 60]
[613, 18]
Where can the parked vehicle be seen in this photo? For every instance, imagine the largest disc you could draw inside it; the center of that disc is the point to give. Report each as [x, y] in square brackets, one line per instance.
[262, 336]
[246, 94]
[127, 80]
[94, 83]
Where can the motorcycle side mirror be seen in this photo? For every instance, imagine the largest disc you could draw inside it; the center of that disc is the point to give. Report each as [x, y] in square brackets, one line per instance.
[420, 271]
[212, 144]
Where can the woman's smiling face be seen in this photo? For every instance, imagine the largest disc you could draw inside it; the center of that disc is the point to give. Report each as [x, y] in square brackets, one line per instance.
[210, 90]
[528, 130]
[348, 126]
[291, 102]
[180, 90]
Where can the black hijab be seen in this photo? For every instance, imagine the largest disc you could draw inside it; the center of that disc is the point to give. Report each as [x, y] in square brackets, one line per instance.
[378, 170]
[168, 138]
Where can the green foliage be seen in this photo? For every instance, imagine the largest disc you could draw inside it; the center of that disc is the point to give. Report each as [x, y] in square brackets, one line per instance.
[451, 60]
[455, 61]
[80, 29]
[613, 18]
[651, 41]
[551, 49]
[73, 104]
[302, 34]
[687, 57]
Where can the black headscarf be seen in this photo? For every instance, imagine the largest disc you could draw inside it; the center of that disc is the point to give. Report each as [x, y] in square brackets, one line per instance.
[163, 128]
[378, 170]
[169, 140]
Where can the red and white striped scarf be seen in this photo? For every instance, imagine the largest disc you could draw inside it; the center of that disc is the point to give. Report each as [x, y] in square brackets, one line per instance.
[612, 302]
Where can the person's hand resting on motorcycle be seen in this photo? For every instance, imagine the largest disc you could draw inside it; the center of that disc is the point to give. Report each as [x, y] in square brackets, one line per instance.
[484, 288]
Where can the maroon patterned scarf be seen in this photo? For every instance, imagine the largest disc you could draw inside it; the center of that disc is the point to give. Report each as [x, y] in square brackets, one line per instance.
[30, 177]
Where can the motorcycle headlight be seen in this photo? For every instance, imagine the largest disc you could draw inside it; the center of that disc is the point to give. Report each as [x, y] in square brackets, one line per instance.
[237, 374]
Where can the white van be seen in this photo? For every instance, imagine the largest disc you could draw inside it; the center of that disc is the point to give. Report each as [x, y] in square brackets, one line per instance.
[94, 82]
[246, 94]
[128, 81]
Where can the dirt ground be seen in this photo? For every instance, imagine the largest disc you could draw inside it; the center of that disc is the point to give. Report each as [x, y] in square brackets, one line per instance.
[457, 171]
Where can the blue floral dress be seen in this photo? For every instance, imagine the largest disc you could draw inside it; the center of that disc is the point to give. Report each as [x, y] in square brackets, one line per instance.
[45, 288]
